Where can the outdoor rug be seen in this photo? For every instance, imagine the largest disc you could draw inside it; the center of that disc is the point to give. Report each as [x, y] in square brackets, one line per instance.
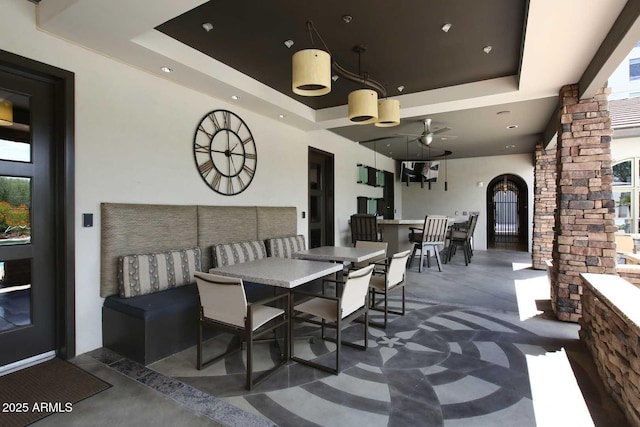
[50, 387]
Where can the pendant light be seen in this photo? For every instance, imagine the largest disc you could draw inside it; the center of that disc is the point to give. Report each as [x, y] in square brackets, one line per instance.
[363, 103]
[312, 76]
[6, 112]
[311, 72]
[388, 113]
[311, 69]
[446, 184]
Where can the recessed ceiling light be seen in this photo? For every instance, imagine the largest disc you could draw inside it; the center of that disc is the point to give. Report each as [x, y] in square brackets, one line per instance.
[502, 113]
[288, 43]
[388, 145]
[509, 146]
[334, 77]
[400, 88]
[487, 49]
[446, 27]
[443, 138]
[167, 70]
[235, 97]
[347, 18]
[207, 26]
[282, 116]
[512, 126]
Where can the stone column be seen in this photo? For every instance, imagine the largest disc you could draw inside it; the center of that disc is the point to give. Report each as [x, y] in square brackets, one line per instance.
[544, 205]
[584, 223]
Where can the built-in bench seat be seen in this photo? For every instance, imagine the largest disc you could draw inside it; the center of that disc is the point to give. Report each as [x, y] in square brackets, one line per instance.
[147, 328]
[156, 309]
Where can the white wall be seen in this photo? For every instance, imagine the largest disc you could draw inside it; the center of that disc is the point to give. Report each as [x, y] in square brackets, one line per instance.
[464, 194]
[134, 134]
[621, 86]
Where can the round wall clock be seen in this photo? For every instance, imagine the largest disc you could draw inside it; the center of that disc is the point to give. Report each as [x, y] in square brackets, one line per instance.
[225, 152]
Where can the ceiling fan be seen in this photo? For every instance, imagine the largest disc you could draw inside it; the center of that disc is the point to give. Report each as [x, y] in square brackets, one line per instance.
[425, 138]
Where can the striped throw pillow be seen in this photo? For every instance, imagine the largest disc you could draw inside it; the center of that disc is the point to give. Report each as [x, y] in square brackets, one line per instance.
[142, 274]
[285, 247]
[238, 252]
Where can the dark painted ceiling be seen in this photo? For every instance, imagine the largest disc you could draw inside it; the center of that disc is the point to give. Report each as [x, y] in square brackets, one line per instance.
[404, 41]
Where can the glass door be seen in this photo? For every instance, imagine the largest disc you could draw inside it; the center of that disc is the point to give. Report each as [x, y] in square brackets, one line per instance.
[27, 254]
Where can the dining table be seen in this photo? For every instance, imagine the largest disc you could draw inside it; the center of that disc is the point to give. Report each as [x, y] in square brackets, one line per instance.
[280, 272]
[339, 254]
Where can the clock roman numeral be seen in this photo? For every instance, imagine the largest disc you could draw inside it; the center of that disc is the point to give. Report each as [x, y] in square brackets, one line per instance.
[248, 171]
[202, 129]
[214, 119]
[205, 168]
[242, 185]
[248, 140]
[202, 148]
[230, 185]
[250, 156]
[227, 119]
[215, 181]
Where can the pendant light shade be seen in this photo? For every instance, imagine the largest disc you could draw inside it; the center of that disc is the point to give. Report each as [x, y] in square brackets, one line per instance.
[311, 72]
[363, 106]
[388, 113]
[6, 112]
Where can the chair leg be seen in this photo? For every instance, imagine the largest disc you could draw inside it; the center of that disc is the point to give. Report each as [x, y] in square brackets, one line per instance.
[435, 249]
[386, 308]
[428, 258]
[403, 303]
[199, 357]
[413, 254]
[338, 344]
[249, 360]
[421, 260]
[366, 328]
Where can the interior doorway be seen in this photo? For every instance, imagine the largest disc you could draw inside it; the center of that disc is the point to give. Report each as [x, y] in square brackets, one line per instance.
[321, 198]
[507, 213]
[37, 292]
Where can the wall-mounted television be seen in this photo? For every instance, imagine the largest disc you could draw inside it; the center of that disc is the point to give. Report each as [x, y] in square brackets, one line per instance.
[419, 171]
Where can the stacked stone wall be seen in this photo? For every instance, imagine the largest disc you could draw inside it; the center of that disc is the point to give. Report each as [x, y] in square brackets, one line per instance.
[614, 343]
[544, 206]
[584, 223]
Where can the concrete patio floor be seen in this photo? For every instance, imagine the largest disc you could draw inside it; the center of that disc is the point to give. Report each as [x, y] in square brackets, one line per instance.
[497, 293]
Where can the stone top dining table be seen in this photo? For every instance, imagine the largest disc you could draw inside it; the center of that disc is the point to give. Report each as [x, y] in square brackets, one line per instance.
[339, 254]
[281, 272]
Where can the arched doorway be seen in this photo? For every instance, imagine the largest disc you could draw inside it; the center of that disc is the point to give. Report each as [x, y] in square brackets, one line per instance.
[507, 204]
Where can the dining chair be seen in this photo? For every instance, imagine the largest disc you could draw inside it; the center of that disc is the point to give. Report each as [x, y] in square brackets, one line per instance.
[223, 306]
[364, 227]
[334, 312]
[391, 279]
[624, 245]
[462, 238]
[432, 235]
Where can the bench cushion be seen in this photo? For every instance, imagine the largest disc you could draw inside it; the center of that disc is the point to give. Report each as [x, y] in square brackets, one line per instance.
[143, 274]
[285, 247]
[238, 252]
[157, 304]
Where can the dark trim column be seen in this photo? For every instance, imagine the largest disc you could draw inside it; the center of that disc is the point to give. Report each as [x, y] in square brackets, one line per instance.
[584, 223]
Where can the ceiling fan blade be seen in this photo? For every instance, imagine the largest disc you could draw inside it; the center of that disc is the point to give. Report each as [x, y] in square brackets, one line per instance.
[444, 129]
[378, 139]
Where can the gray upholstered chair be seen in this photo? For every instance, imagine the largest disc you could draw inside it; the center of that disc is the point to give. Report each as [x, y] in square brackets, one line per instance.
[364, 227]
[334, 312]
[391, 279]
[432, 235]
[223, 306]
[463, 238]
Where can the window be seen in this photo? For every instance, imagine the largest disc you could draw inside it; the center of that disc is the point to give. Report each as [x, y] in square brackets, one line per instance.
[626, 194]
[634, 69]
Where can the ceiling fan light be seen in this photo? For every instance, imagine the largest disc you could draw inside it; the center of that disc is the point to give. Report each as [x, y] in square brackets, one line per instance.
[388, 113]
[363, 106]
[6, 112]
[426, 139]
[311, 72]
